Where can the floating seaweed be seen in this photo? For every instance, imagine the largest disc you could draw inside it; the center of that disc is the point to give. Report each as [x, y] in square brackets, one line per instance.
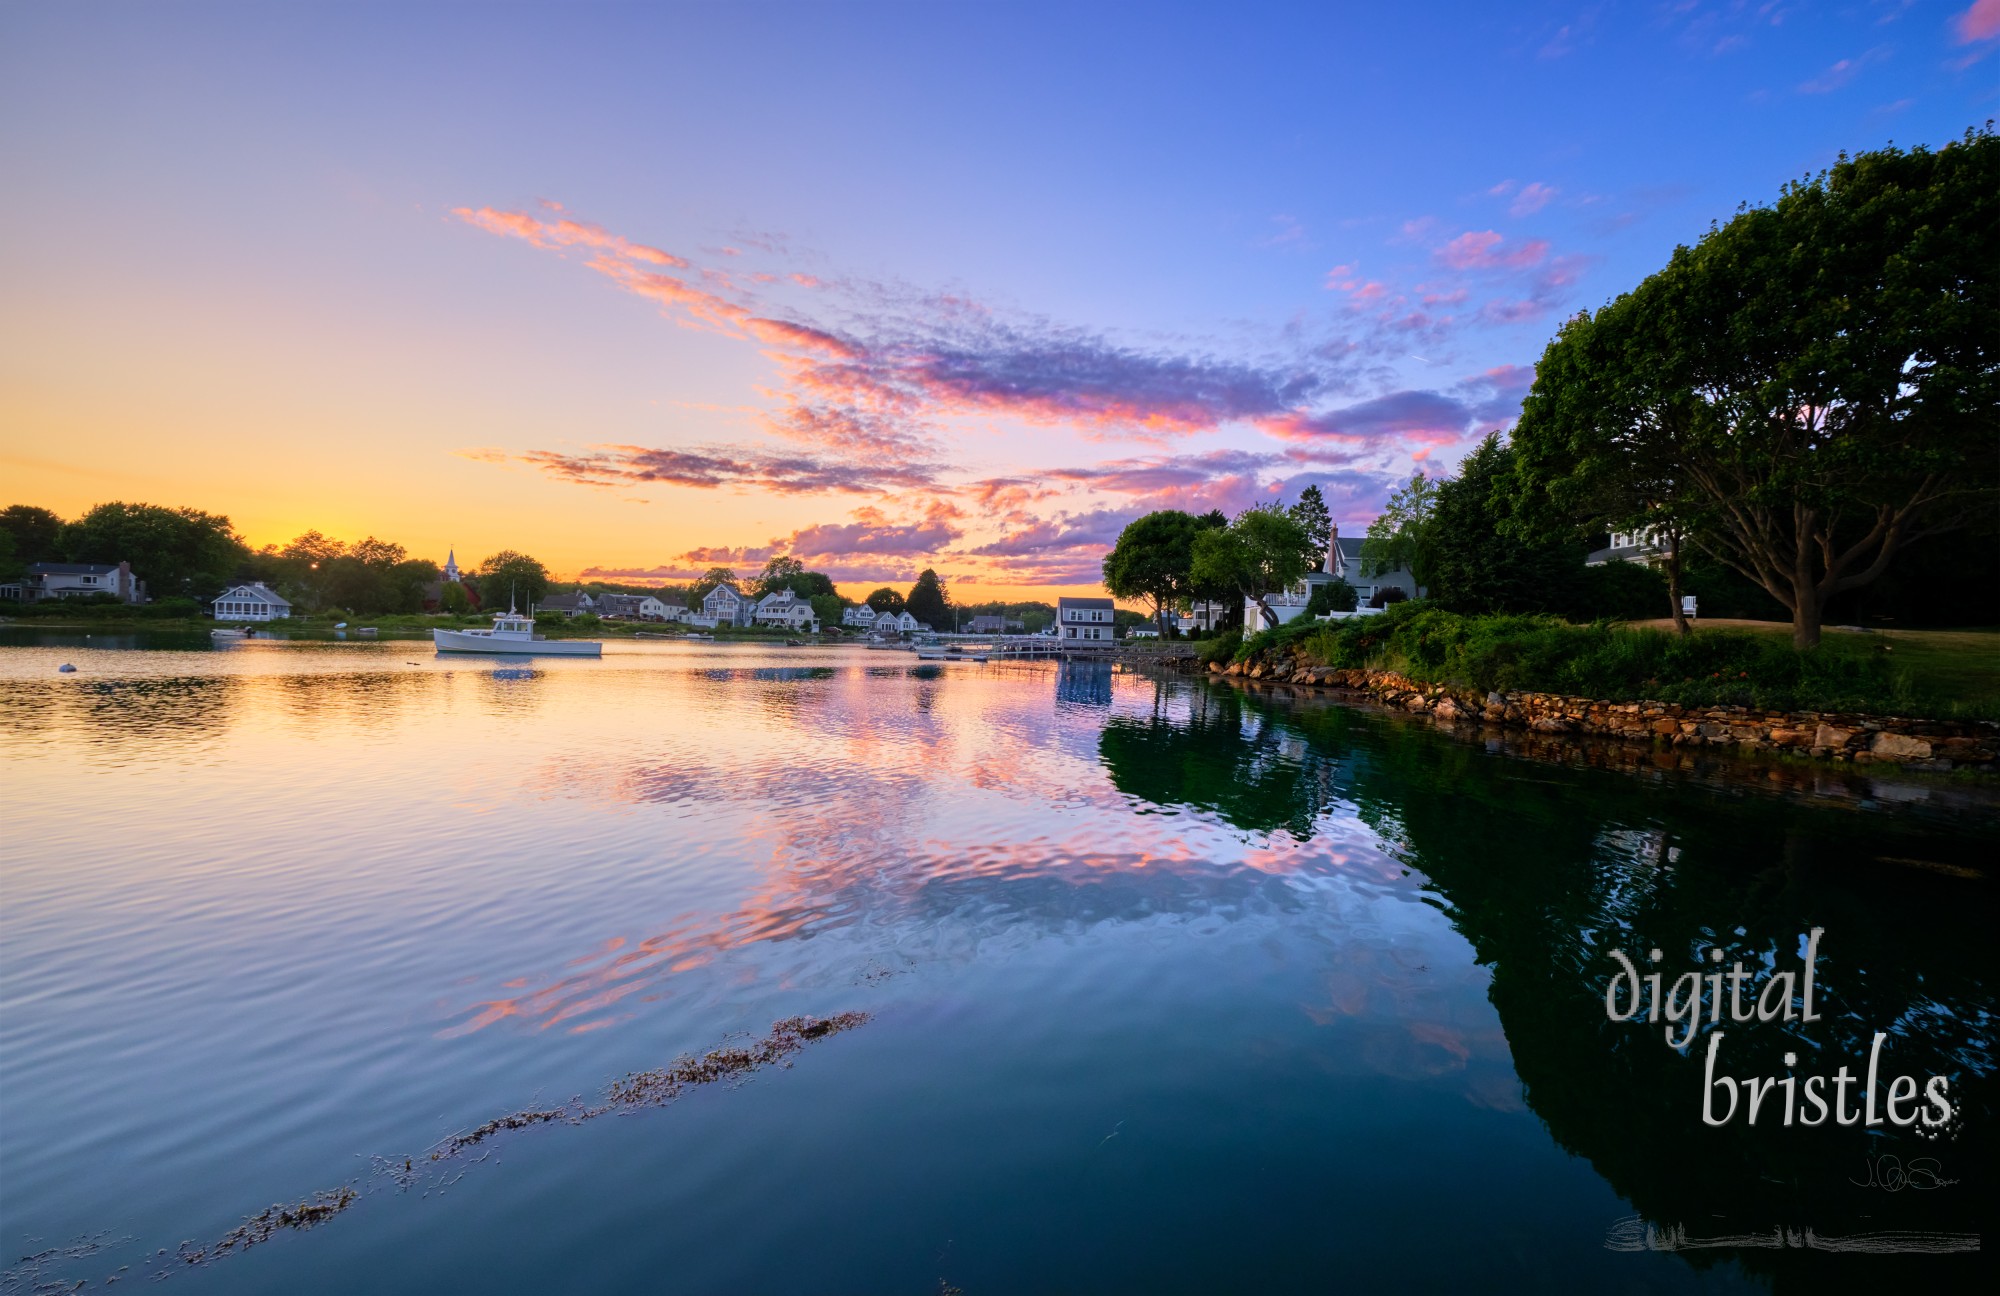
[263, 1226]
[658, 1087]
[639, 1089]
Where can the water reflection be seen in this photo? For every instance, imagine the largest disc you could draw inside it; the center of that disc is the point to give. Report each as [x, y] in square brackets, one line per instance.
[1083, 682]
[1543, 875]
[1315, 929]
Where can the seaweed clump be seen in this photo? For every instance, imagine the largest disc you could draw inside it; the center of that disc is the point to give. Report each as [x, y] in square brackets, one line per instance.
[264, 1225]
[664, 1084]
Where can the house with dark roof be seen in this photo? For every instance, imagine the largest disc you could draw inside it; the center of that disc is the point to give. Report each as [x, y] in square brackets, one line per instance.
[996, 625]
[1085, 621]
[573, 604]
[63, 580]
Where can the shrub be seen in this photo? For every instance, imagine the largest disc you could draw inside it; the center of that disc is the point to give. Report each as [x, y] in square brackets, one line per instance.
[1332, 596]
[1622, 591]
[1221, 648]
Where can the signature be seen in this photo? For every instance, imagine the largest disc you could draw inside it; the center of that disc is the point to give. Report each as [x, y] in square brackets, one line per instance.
[1890, 1174]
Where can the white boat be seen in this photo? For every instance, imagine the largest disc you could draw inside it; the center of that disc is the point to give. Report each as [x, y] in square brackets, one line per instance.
[229, 634]
[514, 635]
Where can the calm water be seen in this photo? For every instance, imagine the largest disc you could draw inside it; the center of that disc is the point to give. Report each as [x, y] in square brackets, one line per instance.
[1173, 990]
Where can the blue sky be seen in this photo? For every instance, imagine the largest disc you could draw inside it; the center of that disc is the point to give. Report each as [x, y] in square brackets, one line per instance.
[965, 286]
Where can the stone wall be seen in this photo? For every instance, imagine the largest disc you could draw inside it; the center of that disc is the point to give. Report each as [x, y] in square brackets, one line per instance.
[1859, 739]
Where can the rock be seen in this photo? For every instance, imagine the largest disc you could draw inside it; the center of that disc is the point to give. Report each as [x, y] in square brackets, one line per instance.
[1666, 725]
[1828, 736]
[1894, 746]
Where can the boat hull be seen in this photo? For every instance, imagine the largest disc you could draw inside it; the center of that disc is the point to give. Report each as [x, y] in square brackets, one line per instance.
[493, 645]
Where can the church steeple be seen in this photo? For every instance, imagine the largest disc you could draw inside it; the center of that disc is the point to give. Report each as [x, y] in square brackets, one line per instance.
[450, 572]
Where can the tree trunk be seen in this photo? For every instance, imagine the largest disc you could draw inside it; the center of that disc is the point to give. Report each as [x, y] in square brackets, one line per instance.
[1805, 620]
[1674, 583]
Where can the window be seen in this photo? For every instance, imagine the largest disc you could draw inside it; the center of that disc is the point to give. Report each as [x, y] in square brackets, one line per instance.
[90, 580]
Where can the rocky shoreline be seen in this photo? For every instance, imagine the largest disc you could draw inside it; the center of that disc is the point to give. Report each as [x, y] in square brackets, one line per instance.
[1838, 737]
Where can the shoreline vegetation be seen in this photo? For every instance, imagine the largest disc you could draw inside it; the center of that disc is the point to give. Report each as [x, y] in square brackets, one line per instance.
[1922, 674]
[1927, 698]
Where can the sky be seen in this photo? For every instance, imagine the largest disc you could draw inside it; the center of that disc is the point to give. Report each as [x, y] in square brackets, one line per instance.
[647, 290]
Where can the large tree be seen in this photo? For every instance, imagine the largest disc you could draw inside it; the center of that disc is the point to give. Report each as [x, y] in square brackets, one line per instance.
[176, 551]
[511, 579]
[1312, 514]
[1603, 437]
[1263, 551]
[1399, 537]
[1472, 566]
[1154, 560]
[929, 601]
[777, 574]
[1838, 355]
[37, 533]
[885, 600]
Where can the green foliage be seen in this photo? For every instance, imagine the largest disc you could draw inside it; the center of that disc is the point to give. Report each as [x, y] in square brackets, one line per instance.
[1154, 560]
[1264, 550]
[929, 601]
[1618, 591]
[1399, 537]
[828, 607]
[1221, 648]
[886, 600]
[1312, 514]
[1331, 596]
[174, 550]
[453, 599]
[1805, 392]
[510, 575]
[777, 574]
[1545, 654]
[36, 533]
[582, 621]
[1472, 566]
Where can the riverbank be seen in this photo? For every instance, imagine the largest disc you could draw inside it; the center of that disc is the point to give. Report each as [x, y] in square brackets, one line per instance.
[1841, 737]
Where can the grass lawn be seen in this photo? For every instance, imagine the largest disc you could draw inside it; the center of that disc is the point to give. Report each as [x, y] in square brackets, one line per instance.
[1960, 665]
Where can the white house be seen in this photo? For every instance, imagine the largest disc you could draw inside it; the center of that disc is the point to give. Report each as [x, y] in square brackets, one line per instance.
[1344, 560]
[895, 623]
[60, 580]
[675, 612]
[253, 602]
[1084, 619]
[860, 615]
[1630, 546]
[785, 608]
[727, 606]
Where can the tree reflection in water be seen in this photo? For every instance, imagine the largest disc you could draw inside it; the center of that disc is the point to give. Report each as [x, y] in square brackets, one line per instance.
[1543, 870]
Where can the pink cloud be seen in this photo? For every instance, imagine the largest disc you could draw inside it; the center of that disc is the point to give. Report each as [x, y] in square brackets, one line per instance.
[1979, 23]
[1532, 199]
[1489, 250]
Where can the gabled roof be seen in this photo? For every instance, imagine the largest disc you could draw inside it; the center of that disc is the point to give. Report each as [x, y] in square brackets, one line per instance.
[1088, 604]
[253, 589]
[71, 569]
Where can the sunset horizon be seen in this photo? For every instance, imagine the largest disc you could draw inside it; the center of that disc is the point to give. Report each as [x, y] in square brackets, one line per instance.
[925, 326]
